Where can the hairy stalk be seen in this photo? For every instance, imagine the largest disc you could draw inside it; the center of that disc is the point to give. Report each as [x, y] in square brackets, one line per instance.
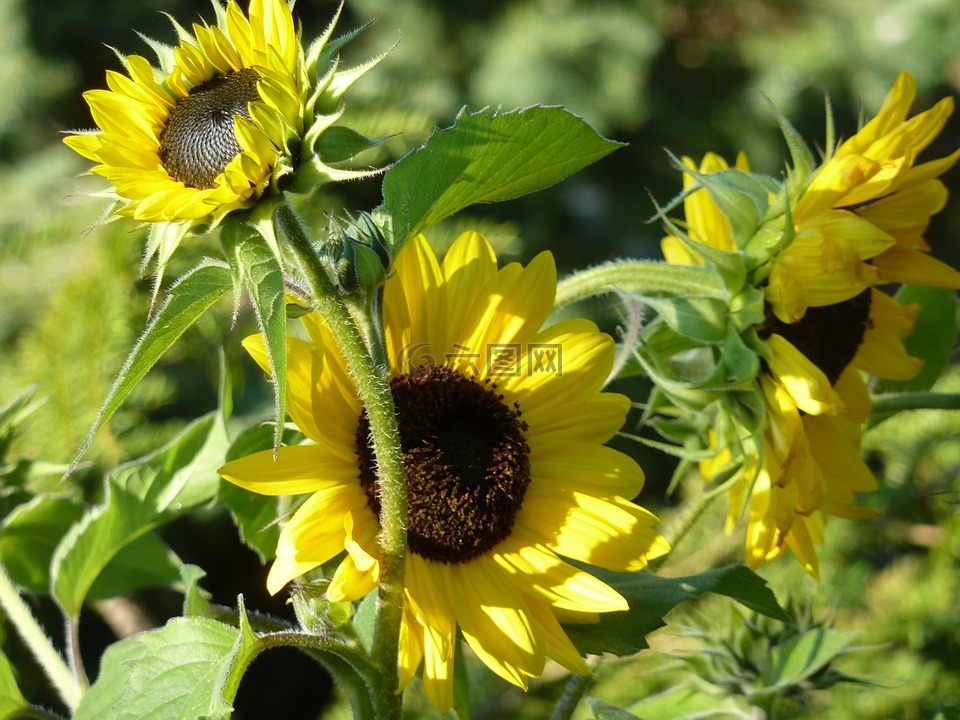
[638, 276]
[36, 639]
[373, 386]
[573, 692]
[896, 402]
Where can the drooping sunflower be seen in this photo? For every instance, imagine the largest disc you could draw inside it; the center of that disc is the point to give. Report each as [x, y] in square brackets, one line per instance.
[857, 224]
[503, 428]
[236, 110]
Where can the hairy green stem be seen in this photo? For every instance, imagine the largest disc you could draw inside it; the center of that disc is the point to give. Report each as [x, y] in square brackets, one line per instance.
[36, 639]
[631, 276]
[895, 402]
[573, 692]
[373, 387]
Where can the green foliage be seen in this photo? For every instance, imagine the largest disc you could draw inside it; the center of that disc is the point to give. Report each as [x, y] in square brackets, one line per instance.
[486, 157]
[651, 597]
[140, 496]
[178, 671]
[12, 701]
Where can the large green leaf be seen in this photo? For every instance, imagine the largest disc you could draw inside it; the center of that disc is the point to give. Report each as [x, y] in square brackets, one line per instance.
[178, 671]
[651, 597]
[188, 300]
[140, 495]
[486, 157]
[29, 537]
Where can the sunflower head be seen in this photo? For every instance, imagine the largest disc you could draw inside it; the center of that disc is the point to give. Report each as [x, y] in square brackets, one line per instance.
[503, 426]
[236, 110]
[816, 247]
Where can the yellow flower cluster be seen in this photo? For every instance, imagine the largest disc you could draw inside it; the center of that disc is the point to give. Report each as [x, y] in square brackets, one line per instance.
[857, 224]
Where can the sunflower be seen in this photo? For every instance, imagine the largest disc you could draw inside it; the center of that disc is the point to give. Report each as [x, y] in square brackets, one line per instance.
[857, 224]
[235, 110]
[503, 428]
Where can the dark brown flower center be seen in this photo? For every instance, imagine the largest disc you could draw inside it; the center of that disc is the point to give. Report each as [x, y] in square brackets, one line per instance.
[829, 336]
[198, 141]
[468, 464]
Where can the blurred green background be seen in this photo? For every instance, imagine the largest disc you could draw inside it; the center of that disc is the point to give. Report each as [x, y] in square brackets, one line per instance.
[684, 76]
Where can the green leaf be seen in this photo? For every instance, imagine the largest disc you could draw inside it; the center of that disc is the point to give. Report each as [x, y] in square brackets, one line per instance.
[145, 562]
[188, 300]
[29, 536]
[932, 339]
[177, 671]
[486, 157]
[651, 597]
[254, 515]
[802, 656]
[140, 495]
[11, 699]
[255, 261]
[364, 620]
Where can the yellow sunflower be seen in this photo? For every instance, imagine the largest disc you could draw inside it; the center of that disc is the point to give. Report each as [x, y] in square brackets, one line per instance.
[235, 110]
[503, 428]
[858, 224]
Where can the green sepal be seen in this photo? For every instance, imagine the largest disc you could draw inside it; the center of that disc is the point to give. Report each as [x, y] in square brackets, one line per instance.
[651, 597]
[731, 266]
[741, 197]
[699, 318]
[191, 296]
[339, 144]
[802, 160]
[488, 156]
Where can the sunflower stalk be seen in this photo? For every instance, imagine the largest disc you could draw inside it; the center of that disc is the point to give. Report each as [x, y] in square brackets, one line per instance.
[897, 402]
[34, 638]
[631, 276]
[373, 387]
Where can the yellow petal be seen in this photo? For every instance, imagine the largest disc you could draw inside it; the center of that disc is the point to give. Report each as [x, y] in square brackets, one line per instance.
[614, 534]
[296, 469]
[806, 383]
[536, 569]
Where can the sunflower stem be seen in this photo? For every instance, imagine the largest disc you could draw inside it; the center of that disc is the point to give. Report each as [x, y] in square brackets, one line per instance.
[896, 402]
[631, 276]
[573, 692]
[36, 639]
[373, 386]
